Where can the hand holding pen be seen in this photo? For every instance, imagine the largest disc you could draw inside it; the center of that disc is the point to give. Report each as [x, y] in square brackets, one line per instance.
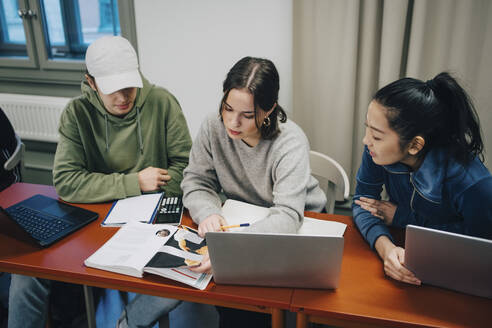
[212, 223]
[224, 228]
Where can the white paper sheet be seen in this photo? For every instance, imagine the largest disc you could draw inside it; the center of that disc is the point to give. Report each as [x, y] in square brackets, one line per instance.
[133, 209]
[315, 227]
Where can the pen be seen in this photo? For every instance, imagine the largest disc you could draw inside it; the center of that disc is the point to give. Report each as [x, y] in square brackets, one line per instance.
[235, 226]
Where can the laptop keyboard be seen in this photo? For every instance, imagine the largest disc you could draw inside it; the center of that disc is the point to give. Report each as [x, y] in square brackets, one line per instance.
[40, 225]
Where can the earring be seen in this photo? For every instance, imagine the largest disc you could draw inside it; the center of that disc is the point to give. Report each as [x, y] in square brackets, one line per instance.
[266, 121]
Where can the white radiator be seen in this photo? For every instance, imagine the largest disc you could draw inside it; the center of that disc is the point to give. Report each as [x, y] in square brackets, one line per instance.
[34, 117]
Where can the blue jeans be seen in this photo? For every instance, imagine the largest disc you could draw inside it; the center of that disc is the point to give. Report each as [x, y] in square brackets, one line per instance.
[145, 310]
[30, 298]
[28, 301]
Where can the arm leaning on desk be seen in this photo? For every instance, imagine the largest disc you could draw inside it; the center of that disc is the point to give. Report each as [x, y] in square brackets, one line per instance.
[367, 298]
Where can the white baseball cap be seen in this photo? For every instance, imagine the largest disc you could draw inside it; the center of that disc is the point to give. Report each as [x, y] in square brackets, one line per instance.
[113, 62]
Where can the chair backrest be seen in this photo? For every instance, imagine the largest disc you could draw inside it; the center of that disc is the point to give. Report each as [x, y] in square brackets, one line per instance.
[16, 158]
[332, 178]
[11, 153]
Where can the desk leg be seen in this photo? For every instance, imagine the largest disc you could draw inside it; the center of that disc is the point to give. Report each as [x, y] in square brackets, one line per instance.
[89, 306]
[301, 320]
[277, 318]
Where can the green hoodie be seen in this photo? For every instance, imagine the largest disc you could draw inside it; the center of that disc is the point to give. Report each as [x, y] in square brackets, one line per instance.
[99, 155]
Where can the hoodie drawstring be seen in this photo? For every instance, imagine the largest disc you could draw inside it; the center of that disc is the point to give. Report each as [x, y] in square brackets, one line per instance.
[139, 128]
[139, 131]
[107, 131]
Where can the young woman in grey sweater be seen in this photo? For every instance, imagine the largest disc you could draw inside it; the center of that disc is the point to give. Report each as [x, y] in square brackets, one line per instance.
[251, 153]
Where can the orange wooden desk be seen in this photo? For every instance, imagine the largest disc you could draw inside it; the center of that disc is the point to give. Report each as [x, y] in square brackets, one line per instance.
[63, 261]
[366, 298]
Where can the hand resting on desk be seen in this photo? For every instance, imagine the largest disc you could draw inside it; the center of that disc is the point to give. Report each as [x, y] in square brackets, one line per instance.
[393, 258]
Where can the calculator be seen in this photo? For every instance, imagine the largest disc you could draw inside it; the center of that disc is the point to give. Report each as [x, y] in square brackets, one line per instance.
[170, 210]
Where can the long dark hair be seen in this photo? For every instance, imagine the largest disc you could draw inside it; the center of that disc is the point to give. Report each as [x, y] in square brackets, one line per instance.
[438, 110]
[261, 78]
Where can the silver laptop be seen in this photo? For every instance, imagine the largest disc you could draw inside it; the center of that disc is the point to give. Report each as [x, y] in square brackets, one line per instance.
[279, 260]
[450, 260]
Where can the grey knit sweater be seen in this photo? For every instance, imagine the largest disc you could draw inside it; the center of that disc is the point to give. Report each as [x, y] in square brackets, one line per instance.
[274, 174]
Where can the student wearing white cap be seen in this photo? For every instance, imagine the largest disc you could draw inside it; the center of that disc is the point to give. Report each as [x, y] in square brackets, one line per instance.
[122, 137]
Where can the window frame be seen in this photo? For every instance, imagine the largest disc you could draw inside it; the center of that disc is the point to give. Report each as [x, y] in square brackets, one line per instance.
[41, 74]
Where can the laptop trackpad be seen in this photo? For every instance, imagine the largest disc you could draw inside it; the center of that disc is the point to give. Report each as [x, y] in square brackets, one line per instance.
[57, 209]
[53, 207]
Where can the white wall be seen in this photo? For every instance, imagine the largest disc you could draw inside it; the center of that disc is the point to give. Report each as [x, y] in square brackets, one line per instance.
[188, 46]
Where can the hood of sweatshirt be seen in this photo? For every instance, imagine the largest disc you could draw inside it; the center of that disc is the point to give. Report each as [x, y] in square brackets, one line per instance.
[130, 118]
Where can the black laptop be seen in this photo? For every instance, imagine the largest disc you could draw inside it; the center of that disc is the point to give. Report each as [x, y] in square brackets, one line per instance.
[43, 220]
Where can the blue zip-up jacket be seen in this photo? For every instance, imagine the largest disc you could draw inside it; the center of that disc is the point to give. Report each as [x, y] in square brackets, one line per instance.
[442, 194]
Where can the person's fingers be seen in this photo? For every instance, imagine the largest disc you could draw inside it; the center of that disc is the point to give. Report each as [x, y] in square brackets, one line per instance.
[393, 274]
[411, 280]
[401, 258]
[393, 265]
[212, 223]
[385, 204]
[362, 203]
[162, 171]
[166, 177]
[201, 230]
[216, 225]
[392, 269]
[204, 267]
[223, 223]
[370, 201]
[400, 276]
[405, 271]
[207, 226]
[374, 211]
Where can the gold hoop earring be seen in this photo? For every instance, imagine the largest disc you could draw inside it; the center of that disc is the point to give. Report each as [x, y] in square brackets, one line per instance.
[266, 122]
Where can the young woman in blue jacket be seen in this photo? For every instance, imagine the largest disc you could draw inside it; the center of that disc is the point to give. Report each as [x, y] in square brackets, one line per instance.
[423, 144]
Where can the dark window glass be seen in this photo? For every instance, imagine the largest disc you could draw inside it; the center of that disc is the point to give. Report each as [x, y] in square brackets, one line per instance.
[71, 25]
[12, 36]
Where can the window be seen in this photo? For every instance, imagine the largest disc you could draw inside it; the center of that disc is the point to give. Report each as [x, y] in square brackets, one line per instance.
[72, 25]
[44, 41]
[12, 38]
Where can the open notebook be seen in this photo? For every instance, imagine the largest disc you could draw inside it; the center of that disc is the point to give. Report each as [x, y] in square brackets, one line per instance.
[237, 212]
